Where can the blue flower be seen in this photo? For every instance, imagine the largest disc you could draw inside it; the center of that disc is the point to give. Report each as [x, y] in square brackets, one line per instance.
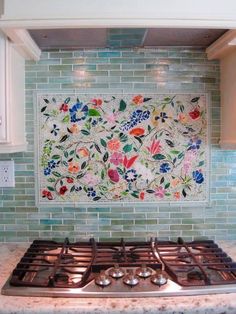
[131, 175]
[198, 176]
[163, 116]
[55, 130]
[75, 107]
[74, 111]
[47, 171]
[136, 117]
[164, 167]
[91, 192]
[194, 143]
[52, 164]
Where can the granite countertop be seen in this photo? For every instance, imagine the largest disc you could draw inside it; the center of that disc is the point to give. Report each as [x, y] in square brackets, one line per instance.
[207, 304]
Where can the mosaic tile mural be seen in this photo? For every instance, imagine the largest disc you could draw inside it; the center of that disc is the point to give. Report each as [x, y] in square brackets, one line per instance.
[122, 148]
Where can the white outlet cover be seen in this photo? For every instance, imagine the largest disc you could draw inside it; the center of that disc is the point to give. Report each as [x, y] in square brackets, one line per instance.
[7, 173]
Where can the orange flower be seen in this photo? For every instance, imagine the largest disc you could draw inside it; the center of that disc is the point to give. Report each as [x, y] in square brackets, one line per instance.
[137, 131]
[73, 167]
[177, 195]
[74, 128]
[137, 100]
[113, 144]
[174, 182]
[183, 118]
[83, 152]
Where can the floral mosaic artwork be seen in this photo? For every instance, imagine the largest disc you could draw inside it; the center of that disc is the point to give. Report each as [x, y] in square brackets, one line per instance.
[122, 148]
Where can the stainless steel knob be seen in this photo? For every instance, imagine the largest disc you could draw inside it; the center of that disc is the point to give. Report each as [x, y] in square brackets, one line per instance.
[131, 279]
[144, 271]
[158, 279]
[116, 272]
[102, 279]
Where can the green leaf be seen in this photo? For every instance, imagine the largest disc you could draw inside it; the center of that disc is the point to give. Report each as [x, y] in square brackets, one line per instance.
[85, 132]
[83, 165]
[184, 193]
[43, 109]
[120, 171]
[127, 148]
[50, 188]
[103, 143]
[56, 174]
[122, 105]
[167, 185]
[56, 157]
[201, 163]
[102, 174]
[174, 152]
[135, 194]
[181, 155]
[138, 139]
[66, 119]
[46, 100]
[158, 157]
[162, 180]
[150, 191]
[51, 180]
[67, 100]
[93, 113]
[96, 198]
[64, 138]
[149, 129]
[105, 157]
[195, 99]
[66, 154]
[97, 148]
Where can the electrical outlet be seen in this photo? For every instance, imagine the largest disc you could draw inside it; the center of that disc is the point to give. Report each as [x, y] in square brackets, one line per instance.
[7, 173]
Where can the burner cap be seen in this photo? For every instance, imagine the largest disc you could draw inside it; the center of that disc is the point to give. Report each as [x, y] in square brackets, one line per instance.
[144, 271]
[61, 277]
[116, 272]
[102, 279]
[130, 279]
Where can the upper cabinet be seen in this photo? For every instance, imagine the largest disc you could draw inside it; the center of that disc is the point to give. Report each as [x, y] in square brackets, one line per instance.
[12, 98]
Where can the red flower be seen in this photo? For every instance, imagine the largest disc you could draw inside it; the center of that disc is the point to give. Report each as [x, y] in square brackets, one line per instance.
[97, 102]
[195, 114]
[64, 107]
[129, 162]
[141, 195]
[63, 190]
[155, 147]
[47, 194]
[70, 180]
[113, 175]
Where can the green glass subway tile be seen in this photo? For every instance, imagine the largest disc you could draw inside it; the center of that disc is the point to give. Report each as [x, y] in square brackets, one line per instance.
[181, 227]
[63, 228]
[85, 53]
[124, 234]
[62, 67]
[39, 215]
[145, 221]
[181, 215]
[13, 203]
[15, 227]
[135, 228]
[24, 197]
[108, 67]
[132, 79]
[49, 61]
[85, 67]
[204, 226]
[51, 221]
[97, 73]
[39, 227]
[74, 209]
[120, 73]
[61, 55]
[108, 79]
[63, 215]
[193, 221]
[35, 68]
[145, 86]
[99, 210]
[132, 66]
[122, 222]
[145, 210]
[157, 215]
[48, 86]
[122, 209]
[36, 80]
[7, 221]
[121, 85]
[101, 221]
[97, 60]
[73, 61]
[34, 234]
[120, 60]
[98, 235]
[110, 228]
[30, 74]
[63, 80]
[7, 233]
[73, 221]
[169, 221]
[7, 209]
[89, 228]
[6, 197]
[86, 215]
[48, 74]
[157, 227]
[133, 216]
[110, 215]
[30, 86]
[109, 54]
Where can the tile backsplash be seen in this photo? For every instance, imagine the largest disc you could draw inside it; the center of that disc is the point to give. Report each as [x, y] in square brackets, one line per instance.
[164, 70]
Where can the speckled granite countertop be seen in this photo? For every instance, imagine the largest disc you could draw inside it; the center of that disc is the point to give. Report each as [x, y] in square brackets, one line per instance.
[207, 304]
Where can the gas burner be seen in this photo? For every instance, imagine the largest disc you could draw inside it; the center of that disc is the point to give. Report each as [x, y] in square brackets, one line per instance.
[102, 279]
[158, 279]
[121, 256]
[67, 259]
[61, 278]
[131, 279]
[144, 271]
[116, 272]
[195, 275]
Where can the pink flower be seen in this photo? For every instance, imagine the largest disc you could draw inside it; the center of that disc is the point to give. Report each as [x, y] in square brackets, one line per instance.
[187, 162]
[154, 148]
[90, 179]
[111, 117]
[116, 158]
[113, 175]
[160, 192]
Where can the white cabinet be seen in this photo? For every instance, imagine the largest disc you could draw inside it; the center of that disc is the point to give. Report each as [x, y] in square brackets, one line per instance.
[12, 98]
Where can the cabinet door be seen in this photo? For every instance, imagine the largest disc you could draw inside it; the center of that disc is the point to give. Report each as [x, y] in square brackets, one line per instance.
[3, 86]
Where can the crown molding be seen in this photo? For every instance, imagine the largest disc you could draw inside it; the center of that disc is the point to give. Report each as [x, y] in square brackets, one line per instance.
[23, 43]
[222, 46]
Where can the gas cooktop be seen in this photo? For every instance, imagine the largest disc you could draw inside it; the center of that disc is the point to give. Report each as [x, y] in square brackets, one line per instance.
[122, 269]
